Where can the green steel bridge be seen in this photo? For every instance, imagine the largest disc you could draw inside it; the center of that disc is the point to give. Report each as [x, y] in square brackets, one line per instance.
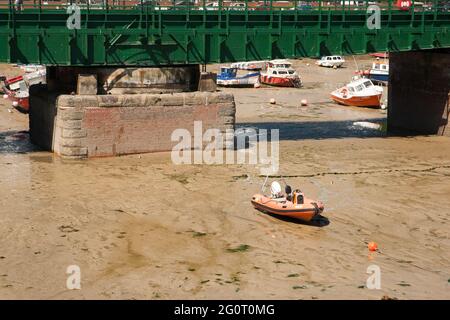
[143, 33]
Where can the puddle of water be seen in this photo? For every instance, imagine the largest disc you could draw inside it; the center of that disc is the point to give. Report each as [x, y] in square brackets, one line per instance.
[16, 142]
[319, 129]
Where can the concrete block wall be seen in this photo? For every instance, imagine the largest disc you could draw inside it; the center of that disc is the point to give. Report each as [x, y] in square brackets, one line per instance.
[126, 80]
[109, 125]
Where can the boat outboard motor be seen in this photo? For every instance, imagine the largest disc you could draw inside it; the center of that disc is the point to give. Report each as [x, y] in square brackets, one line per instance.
[288, 191]
[298, 197]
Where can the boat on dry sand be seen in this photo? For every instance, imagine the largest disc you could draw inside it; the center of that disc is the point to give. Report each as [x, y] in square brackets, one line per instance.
[228, 77]
[359, 93]
[280, 73]
[291, 204]
[16, 89]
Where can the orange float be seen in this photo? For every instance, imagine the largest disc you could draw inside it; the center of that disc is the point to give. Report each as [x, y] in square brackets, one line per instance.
[372, 246]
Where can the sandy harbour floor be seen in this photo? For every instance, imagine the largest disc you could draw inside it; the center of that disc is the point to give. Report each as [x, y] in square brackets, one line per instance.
[141, 227]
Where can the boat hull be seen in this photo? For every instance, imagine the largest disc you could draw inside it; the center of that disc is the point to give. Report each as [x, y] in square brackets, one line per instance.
[280, 82]
[21, 98]
[379, 77]
[242, 82]
[358, 101]
[305, 212]
[23, 104]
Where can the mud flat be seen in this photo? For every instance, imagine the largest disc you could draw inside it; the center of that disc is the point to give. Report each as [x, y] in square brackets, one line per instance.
[140, 227]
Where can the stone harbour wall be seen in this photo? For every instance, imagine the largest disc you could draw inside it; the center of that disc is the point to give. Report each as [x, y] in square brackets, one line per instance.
[110, 125]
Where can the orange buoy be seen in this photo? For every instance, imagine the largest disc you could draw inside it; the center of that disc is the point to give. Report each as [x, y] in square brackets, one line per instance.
[372, 246]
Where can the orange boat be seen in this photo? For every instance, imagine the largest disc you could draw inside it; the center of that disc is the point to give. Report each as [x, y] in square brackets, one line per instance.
[359, 93]
[292, 204]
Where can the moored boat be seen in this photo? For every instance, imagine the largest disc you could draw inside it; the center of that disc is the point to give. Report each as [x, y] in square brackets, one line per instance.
[249, 65]
[359, 93]
[379, 72]
[229, 77]
[381, 55]
[31, 68]
[280, 73]
[20, 100]
[291, 204]
[16, 89]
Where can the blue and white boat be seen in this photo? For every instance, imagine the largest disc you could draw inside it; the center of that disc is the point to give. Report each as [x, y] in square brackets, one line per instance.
[228, 77]
[379, 72]
[250, 65]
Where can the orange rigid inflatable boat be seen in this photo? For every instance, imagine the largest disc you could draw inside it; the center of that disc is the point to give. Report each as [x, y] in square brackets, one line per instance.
[292, 204]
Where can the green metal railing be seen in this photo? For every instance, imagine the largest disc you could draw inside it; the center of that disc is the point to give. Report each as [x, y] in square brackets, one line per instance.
[181, 32]
[221, 5]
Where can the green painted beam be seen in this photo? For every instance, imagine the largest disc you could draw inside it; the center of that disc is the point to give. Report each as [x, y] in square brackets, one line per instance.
[149, 37]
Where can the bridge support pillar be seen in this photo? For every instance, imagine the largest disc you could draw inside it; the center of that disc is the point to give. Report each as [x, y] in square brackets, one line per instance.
[419, 92]
[75, 122]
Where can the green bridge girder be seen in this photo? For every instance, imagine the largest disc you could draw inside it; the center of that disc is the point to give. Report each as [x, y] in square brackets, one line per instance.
[152, 36]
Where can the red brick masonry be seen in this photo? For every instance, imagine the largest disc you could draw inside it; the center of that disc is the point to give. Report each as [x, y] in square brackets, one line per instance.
[109, 125]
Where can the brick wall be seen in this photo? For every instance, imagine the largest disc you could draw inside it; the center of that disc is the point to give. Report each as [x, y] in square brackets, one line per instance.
[108, 125]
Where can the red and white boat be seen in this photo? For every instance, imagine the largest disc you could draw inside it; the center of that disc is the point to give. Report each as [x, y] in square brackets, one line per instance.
[359, 93]
[16, 89]
[280, 73]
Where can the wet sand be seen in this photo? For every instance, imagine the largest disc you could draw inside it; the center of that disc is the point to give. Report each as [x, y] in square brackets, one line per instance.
[140, 227]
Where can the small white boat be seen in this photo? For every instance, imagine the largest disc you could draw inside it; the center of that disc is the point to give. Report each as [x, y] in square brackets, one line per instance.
[249, 65]
[228, 77]
[280, 73]
[379, 72]
[31, 68]
[359, 93]
[331, 61]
